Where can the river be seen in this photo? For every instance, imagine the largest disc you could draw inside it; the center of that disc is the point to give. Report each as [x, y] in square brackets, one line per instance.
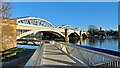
[106, 43]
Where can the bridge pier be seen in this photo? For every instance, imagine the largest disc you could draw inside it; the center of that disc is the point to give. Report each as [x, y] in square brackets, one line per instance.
[7, 34]
[66, 35]
[81, 35]
[81, 40]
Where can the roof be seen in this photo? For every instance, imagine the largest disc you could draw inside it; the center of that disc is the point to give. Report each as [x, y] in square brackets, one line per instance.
[8, 20]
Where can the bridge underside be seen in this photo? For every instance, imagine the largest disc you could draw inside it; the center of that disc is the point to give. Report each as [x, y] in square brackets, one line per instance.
[74, 35]
[50, 35]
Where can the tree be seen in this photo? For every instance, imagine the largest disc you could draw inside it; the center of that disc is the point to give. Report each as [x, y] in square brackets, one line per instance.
[92, 30]
[92, 27]
[5, 8]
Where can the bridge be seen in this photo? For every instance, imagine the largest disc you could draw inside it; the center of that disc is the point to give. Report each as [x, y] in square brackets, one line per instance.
[60, 54]
[34, 25]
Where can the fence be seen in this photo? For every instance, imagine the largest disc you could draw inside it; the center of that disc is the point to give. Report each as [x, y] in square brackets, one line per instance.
[36, 59]
[89, 57]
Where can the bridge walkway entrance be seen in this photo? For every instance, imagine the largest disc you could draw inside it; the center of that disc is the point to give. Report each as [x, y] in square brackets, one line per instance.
[54, 56]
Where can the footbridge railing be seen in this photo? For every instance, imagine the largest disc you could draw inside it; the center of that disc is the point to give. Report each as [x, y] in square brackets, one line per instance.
[89, 57]
[36, 59]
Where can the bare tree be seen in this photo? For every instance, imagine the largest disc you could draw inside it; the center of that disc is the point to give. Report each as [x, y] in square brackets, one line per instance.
[5, 8]
[92, 29]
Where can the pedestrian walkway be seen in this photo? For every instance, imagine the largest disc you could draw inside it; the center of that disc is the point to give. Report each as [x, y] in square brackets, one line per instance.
[53, 56]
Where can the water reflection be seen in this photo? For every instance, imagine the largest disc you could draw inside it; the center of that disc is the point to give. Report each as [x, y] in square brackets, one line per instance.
[103, 43]
[73, 40]
[27, 46]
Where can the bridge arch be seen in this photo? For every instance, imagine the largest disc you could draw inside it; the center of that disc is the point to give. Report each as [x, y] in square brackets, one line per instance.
[66, 27]
[26, 22]
[73, 32]
[35, 31]
[34, 21]
[50, 30]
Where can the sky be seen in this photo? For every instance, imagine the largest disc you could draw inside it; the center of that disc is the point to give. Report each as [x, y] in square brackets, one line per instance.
[76, 14]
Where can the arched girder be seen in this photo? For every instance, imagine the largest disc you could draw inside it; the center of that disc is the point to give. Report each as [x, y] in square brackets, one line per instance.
[70, 32]
[73, 32]
[66, 27]
[34, 21]
[58, 26]
[35, 31]
[74, 35]
[42, 22]
[84, 32]
[50, 30]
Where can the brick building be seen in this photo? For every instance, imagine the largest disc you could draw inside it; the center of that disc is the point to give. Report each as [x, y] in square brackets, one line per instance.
[7, 33]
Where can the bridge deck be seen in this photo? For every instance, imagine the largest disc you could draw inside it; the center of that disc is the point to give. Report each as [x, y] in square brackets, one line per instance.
[53, 56]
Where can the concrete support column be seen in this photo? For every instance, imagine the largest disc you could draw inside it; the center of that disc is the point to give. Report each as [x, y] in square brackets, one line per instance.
[81, 40]
[66, 35]
[81, 34]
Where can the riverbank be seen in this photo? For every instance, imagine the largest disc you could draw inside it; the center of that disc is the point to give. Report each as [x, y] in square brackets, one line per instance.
[16, 57]
[110, 37]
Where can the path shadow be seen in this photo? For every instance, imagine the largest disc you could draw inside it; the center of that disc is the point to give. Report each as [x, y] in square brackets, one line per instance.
[60, 61]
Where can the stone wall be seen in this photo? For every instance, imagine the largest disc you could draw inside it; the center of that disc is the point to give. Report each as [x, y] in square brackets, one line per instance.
[7, 34]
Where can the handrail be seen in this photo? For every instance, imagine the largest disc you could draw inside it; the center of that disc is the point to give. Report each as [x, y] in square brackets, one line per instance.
[115, 53]
[89, 57]
[91, 50]
[36, 59]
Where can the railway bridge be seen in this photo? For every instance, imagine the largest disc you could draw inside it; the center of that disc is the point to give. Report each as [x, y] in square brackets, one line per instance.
[34, 25]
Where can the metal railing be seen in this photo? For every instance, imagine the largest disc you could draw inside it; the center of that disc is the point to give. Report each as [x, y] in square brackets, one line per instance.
[89, 57]
[21, 31]
[36, 59]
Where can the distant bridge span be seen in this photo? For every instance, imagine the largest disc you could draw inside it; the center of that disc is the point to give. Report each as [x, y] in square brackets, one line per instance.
[29, 25]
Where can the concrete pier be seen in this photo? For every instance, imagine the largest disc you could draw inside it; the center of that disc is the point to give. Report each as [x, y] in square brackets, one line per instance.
[66, 35]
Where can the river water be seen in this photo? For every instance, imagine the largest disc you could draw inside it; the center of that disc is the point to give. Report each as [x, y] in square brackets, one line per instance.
[106, 43]
[103, 43]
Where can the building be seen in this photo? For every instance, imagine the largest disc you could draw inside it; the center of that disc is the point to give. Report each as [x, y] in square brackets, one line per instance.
[7, 33]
